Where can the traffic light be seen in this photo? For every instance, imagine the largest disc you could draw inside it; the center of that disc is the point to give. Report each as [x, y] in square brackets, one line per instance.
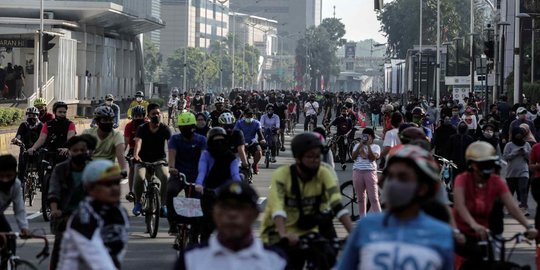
[378, 4]
[489, 49]
[47, 45]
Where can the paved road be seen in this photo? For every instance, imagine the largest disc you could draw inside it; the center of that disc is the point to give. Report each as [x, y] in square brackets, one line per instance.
[146, 253]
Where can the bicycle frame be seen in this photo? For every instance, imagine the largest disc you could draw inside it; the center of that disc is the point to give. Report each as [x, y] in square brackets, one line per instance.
[8, 242]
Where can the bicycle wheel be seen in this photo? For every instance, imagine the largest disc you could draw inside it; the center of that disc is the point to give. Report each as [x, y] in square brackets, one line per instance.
[28, 190]
[21, 264]
[349, 196]
[45, 209]
[152, 214]
[267, 158]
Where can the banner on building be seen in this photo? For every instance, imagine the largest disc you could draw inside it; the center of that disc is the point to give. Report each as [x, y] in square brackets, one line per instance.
[350, 50]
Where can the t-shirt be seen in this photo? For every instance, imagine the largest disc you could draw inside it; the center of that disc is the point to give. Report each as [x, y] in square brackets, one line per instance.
[249, 130]
[236, 139]
[197, 104]
[77, 193]
[343, 125]
[187, 153]
[29, 135]
[362, 164]
[153, 143]
[534, 157]
[391, 138]
[479, 201]
[129, 132]
[311, 108]
[106, 148]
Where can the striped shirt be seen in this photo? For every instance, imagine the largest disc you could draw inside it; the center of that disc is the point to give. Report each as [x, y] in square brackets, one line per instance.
[362, 164]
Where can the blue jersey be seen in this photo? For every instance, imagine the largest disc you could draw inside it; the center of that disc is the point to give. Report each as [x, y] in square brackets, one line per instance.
[419, 243]
[249, 130]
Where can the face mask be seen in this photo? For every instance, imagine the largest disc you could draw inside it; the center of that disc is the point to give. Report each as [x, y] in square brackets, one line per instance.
[201, 125]
[139, 99]
[80, 159]
[138, 122]
[154, 119]
[108, 103]
[31, 121]
[431, 104]
[447, 122]
[105, 127]
[42, 112]
[218, 147]
[417, 119]
[6, 186]
[449, 104]
[187, 132]
[486, 169]
[488, 134]
[60, 118]
[248, 120]
[309, 172]
[344, 114]
[399, 194]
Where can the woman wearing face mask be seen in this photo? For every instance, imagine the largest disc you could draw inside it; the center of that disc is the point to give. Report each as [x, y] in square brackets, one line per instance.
[202, 127]
[217, 166]
[487, 134]
[529, 138]
[66, 190]
[456, 146]
[475, 193]
[403, 231]
[516, 154]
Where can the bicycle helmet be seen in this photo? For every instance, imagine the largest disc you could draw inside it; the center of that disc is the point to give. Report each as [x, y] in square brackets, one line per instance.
[216, 131]
[226, 118]
[32, 110]
[138, 111]
[219, 100]
[103, 112]
[40, 101]
[59, 104]
[418, 111]
[349, 101]
[174, 91]
[304, 142]
[101, 171]
[186, 119]
[418, 156]
[139, 94]
[481, 151]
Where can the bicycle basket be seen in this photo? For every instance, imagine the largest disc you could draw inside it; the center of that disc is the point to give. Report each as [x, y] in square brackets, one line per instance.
[187, 207]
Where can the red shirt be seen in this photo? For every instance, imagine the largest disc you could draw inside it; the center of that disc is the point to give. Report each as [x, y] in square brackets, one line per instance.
[46, 118]
[479, 201]
[534, 158]
[129, 133]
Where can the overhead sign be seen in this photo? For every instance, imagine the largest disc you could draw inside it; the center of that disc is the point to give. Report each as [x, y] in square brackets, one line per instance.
[11, 43]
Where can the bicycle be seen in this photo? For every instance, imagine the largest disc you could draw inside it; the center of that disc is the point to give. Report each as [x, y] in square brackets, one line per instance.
[31, 175]
[13, 261]
[269, 138]
[48, 165]
[318, 252]
[333, 144]
[348, 194]
[172, 116]
[291, 123]
[447, 174]
[150, 198]
[311, 123]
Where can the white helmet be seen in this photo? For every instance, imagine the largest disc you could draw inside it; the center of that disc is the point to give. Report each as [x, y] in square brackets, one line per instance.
[226, 118]
[219, 100]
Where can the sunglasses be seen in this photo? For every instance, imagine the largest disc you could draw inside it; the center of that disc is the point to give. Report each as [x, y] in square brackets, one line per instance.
[109, 183]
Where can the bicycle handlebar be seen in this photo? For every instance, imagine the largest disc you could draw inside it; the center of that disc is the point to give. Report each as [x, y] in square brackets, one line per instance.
[43, 254]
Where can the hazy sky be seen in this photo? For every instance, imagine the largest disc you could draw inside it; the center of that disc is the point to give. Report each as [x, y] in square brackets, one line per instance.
[358, 16]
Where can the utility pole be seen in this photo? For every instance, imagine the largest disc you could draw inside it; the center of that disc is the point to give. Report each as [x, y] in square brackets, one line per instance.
[420, 52]
[471, 39]
[185, 48]
[438, 77]
[40, 57]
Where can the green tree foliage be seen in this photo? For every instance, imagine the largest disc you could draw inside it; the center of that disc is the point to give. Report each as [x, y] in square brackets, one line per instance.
[336, 30]
[152, 61]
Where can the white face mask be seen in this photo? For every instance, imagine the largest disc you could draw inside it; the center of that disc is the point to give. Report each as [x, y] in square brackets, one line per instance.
[139, 99]
[109, 103]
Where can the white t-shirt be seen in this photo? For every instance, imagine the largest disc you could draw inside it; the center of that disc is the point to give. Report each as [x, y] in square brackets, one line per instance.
[362, 164]
[391, 138]
[311, 108]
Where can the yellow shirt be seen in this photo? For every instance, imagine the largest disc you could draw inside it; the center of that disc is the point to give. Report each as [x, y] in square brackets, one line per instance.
[282, 201]
[135, 103]
[106, 148]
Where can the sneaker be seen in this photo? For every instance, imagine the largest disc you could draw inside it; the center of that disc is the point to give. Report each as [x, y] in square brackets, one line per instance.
[163, 212]
[255, 168]
[282, 149]
[343, 166]
[130, 197]
[273, 160]
[137, 209]
[524, 211]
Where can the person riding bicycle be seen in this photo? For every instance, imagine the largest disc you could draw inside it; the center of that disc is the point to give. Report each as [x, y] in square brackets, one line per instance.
[253, 136]
[311, 111]
[217, 166]
[27, 134]
[281, 110]
[234, 243]
[110, 142]
[185, 151]
[291, 113]
[56, 133]
[296, 195]
[219, 109]
[96, 234]
[66, 190]
[172, 104]
[344, 125]
[139, 101]
[270, 123]
[198, 103]
[182, 102]
[238, 108]
[138, 119]
[237, 143]
[403, 234]
[109, 102]
[41, 105]
[150, 144]
[475, 193]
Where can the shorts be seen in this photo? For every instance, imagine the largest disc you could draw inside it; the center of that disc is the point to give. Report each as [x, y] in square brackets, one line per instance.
[253, 148]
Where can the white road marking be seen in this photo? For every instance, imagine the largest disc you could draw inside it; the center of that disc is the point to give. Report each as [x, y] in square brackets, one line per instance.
[261, 200]
[124, 181]
[34, 215]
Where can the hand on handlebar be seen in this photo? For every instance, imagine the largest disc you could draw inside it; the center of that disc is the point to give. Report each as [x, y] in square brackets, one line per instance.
[480, 230]
[292, 239]
[31, 151]
[137, 158]
[531, 233]
[63, 151]
[173, 171]
[199, 188]
[16, 141]
[263, 142]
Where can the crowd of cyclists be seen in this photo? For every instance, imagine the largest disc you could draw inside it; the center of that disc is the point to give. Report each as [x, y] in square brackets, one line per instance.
[217, 142]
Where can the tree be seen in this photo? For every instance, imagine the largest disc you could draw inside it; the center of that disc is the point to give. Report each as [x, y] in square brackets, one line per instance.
[336, 29]
[152, 61]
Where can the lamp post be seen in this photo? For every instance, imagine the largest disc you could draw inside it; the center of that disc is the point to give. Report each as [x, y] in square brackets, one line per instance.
[471, 47]
[40, 57]
[518, 61]
[438, 76]
[501, 54]
[221, 2]
[184, 81]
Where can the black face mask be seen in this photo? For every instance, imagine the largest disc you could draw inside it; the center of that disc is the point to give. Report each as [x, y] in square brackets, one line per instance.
[187, 132]
[154, 119]
[105, 127]
[80, 159]
[218, 147]
[60, 118]
[31, 121]
[138, 122]
[344, 114]
[519, 141]
[6, 186]
[308, 172]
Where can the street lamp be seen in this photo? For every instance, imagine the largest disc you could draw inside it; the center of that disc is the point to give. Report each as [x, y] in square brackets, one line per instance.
[221, 2]
[501, 54]
[518, 61]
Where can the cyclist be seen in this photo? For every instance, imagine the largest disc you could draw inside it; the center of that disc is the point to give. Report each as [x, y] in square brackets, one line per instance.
[293, 212]
[235, 213]
[419, 118]
[238, 108]
[27, 134]
[281, 110]
[110, 143]
[66, 190]
[403, 234]
[172, 104]
[291, 114]
[139, 114]
[270, 124]
[236, 138]
[344, 125]
[219, 109]
[311, 111]
[150, 142]
[109, 102]
[185, 150]
[182, 102]
[56, 132]
[197, 104]
[11, 192]
[96, 234]
[202, 126]
[251, 128]
[41, 105]
[139, 101]
[217, 166]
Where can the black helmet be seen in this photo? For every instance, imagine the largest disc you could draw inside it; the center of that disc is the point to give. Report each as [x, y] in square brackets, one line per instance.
[138, 111]
[303, 142]
[59, 104]
[418, 111]
[215, 132]
[139, 94]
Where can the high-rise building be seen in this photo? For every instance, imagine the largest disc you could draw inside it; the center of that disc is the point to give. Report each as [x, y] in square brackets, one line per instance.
[192, 23]
[145, 9]
[293, 16]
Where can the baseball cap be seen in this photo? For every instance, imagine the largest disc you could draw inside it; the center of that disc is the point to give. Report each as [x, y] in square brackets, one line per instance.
[109, 96]
[237, 192]
[100, 171]
[521, 110]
